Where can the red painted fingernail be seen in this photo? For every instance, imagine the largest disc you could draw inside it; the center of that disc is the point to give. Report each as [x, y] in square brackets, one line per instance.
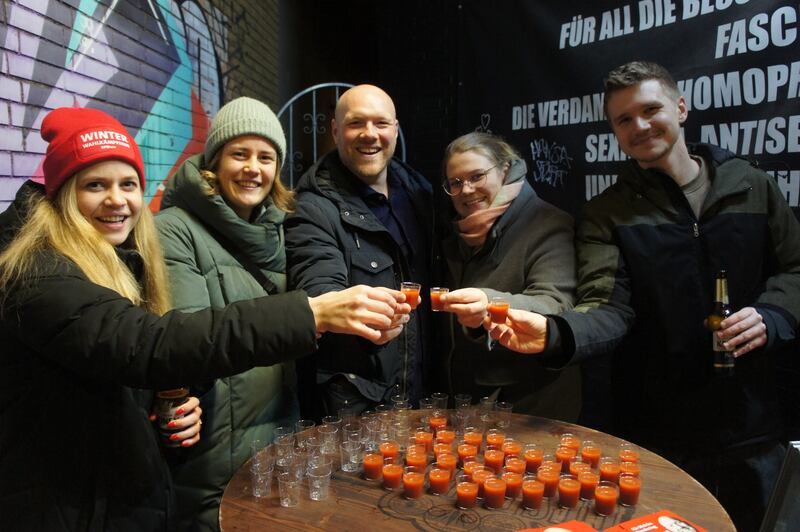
[174, 437]
[179, 411]
[171, 424]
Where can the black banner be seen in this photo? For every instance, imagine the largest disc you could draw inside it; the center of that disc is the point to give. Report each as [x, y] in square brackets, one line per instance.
[533, 73]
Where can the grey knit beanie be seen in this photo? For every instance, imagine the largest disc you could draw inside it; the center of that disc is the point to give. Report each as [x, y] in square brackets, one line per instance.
[244, 116]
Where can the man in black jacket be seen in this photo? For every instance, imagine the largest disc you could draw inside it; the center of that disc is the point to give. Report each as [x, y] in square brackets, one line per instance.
[361, 217]
[649, 249]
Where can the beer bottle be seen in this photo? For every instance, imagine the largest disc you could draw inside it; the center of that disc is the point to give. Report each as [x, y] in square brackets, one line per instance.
[723, 359]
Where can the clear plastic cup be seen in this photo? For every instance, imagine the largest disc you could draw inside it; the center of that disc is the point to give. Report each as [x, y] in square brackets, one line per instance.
[289, 490]
[319, 482]
[351, 456]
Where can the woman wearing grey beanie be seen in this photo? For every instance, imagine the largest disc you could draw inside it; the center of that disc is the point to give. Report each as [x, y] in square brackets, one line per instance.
[221, 227]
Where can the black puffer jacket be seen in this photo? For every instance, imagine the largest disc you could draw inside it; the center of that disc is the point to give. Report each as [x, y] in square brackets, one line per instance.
[77, 451]
[334, 241]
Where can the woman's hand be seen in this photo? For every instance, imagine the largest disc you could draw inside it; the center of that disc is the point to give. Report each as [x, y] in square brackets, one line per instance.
[377, 314]
[189, 425]
[468, 304]
[523, 331]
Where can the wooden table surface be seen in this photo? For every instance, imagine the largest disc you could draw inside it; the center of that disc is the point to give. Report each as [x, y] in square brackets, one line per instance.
[361, 505]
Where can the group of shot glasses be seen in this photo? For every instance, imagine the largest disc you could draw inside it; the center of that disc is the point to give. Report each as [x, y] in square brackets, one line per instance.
[472, 449]
[434, 449]
[497, 307]
[303, 454]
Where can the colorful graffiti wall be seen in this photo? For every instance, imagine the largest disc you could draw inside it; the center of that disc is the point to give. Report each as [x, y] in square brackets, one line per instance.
[162, 67]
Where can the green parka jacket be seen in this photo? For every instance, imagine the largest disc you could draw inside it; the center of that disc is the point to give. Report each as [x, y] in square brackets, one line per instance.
[202, 236]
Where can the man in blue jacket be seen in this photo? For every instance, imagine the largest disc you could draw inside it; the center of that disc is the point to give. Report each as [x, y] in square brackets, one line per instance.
[361, 217]
[649, 249]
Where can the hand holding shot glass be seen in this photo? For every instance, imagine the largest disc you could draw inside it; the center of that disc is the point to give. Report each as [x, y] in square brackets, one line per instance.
[498, 309]
[411, 291]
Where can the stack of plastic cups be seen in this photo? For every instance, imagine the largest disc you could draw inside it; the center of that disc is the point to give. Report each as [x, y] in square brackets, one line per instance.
[351, 456]
[329, 435]
[262, 465]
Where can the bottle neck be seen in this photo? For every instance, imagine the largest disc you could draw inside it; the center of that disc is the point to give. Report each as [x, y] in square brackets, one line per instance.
[722, 290]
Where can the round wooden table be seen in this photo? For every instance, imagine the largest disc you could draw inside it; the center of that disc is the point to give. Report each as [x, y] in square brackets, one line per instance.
[361, 505]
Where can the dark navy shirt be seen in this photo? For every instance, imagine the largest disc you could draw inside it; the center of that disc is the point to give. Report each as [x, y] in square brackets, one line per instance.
[396, 213]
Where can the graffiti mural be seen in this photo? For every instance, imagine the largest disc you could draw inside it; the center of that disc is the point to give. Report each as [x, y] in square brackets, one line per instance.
[154, 64]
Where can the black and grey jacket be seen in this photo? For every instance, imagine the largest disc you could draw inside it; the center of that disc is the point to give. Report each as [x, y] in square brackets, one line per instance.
[334, 241]
[646, 268]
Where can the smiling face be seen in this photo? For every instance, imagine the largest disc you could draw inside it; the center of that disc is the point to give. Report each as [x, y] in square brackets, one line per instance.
[647, 119]
[109, 196]
[365, 131]
[246, 172]
[472, 198]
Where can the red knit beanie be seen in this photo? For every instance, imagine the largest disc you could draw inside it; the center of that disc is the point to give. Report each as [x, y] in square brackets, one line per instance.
[82, 137]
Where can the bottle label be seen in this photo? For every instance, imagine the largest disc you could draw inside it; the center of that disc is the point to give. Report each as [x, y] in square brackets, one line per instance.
[166, 405]
[724, 361]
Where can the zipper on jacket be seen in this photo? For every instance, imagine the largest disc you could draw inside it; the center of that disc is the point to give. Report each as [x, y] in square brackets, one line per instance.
[355, 237]
[696, 229]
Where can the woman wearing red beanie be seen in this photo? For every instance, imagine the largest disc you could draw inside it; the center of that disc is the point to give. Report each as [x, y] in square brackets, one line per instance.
[84, 325]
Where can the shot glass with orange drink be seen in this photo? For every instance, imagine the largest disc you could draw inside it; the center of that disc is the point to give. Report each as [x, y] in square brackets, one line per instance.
[479, 476]
[549, 475]
[629, 488]
[439, 480]
[589, 481]
[392, 474]
[373, 464]
[494, 492]
[411, 291]
[466, 494]
[413, 482]
[628, 452]
[532, 492]
[533, 455]
[498, 309]
[447, 461]
[569, 490]
[590, 452]
[606, 495]
[609, 469]
[436, 293]
[513, 482]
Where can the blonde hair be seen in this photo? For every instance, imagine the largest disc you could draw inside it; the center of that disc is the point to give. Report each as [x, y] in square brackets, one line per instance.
[60, 226]
[490, 146]
[281, 197]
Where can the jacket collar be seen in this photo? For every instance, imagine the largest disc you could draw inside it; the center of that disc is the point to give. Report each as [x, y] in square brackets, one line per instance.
[329, 178]
[261, 240]
[660, 188]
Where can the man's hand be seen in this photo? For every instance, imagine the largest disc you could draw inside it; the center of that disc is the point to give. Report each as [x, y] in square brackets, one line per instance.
[523, 331]
[743, 331]
[468, 304]
[377, 314]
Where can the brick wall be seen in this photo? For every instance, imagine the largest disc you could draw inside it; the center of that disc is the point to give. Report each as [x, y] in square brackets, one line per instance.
[162, 68]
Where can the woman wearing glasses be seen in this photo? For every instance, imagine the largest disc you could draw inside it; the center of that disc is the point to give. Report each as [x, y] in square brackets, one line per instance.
[504, 242]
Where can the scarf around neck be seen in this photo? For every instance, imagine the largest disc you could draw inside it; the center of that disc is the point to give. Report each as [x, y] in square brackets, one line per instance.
[474, 227]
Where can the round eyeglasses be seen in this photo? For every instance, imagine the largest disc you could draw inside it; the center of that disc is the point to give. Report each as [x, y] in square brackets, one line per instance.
[454, 186]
